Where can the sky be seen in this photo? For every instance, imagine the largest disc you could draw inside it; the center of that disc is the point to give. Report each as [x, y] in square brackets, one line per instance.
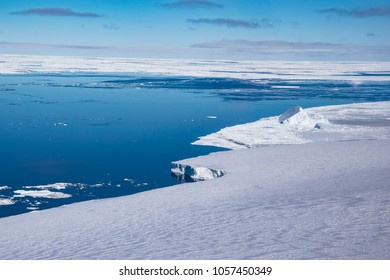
[206, 29]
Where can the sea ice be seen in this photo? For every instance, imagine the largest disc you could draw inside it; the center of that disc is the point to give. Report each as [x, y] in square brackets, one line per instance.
[6, 201]
[41, 193]
[295, 127]
[356, 72]
[55, 186]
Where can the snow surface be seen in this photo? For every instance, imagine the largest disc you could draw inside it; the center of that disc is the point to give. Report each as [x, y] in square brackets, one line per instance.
[326, 199]
[298, 126]
[355, 72]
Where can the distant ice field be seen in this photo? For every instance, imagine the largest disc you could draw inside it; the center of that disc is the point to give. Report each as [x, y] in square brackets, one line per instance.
[68, 137]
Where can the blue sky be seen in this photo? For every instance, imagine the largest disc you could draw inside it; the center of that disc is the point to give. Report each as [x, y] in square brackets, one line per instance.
[209, 29]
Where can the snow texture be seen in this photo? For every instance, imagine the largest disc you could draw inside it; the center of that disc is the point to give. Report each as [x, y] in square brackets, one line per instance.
[298, 126]
[327, 199]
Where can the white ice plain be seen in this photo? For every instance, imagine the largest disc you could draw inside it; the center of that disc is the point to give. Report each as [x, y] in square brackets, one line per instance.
[326, 198]
[298, 126]
[353, 72]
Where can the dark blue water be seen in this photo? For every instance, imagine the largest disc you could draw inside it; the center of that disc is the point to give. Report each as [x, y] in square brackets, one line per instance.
[112, 135]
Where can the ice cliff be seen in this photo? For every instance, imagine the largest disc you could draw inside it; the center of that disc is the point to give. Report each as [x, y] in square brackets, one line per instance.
[284, 129]
[194, 173]
[276, 130]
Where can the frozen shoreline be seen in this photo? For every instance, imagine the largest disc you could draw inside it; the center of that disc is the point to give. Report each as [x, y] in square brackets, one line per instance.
[328, 123]
[325, 199]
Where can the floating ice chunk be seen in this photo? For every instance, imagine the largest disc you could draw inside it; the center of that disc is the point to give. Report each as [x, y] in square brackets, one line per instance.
[6, 201]
[132, 181]
[41, 193]
[211, 117]
[141, 185]
[195, 173]
[4, 188]
[60, 124]
[55, 186]
[61, 186]
[99, 185]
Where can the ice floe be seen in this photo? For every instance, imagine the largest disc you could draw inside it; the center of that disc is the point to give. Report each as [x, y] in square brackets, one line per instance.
[41, 194]
[55, 186]
[6, 201]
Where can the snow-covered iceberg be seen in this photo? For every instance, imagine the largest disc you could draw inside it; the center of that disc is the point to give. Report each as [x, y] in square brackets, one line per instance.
[300, 119]
[194, 173]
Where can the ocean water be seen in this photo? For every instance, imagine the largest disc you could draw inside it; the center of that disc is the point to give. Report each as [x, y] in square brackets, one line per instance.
[66, 138]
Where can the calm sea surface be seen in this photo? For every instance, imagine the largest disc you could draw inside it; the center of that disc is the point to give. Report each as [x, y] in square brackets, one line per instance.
[109, 135]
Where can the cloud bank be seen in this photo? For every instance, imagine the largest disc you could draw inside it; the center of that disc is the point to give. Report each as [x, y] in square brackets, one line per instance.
[191, 4]
[87, 49]
[263, 23]
[52, 46]
[59, 12]
[225, 48]
[359, 12]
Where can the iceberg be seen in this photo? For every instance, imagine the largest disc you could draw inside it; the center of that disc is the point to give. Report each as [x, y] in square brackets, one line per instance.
[194, 173]
[298, 118]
